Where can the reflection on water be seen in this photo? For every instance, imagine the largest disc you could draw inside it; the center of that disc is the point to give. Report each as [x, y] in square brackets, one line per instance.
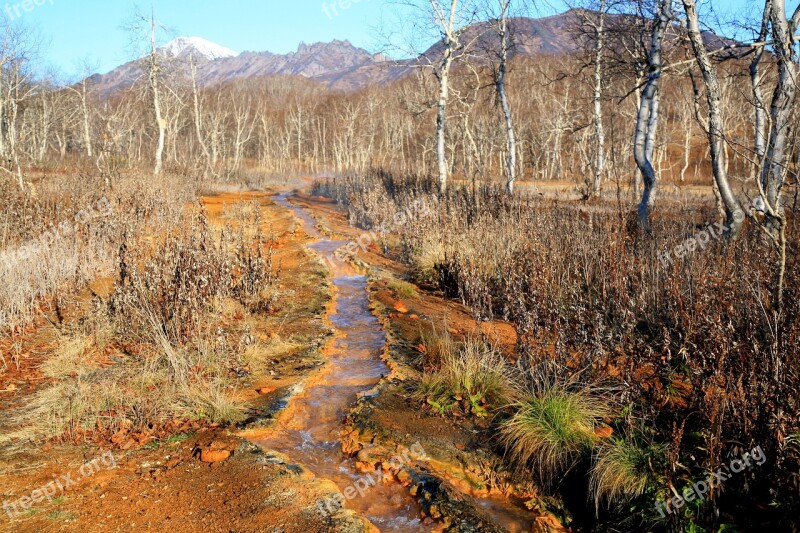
[310, 436]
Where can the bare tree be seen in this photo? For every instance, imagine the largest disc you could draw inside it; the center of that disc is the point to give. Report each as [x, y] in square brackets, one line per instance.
[715, 129]
[647, 120]
[16, 86]
[82, 92]
[783, 99]
[153, 71]
[776, 160]
[757, 81]
[154, 68]
[447, 20]
[198, 117]
[500, 25]
[593, 31]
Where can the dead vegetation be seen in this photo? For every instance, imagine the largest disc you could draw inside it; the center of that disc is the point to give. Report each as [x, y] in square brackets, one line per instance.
[691, 348]
[168, 346]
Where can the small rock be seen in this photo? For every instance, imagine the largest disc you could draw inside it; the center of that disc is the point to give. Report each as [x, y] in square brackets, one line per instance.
[364, 468]
[404, 476]
[266, 390]
[214, 456]
[604, 432]
[400, 307]
[172, 463]
[119, 437]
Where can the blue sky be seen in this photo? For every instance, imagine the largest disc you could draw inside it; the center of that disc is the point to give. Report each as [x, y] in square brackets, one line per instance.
[78, 30]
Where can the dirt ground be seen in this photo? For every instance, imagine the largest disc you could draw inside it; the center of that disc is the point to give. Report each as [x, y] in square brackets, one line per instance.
[146, 482]
[210, 478]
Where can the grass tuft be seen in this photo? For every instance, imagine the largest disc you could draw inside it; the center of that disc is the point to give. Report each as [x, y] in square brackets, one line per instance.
[553, 427]
[623, 470]
[471, 375]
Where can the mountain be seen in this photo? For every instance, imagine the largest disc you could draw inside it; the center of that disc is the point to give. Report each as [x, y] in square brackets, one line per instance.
[338, 64]
[184, 46]
[345, 67]
[310, 61]
[328, 62]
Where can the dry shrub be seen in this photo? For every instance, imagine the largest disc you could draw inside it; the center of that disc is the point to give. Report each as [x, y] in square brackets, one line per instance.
[56, 241]
[693, 341]
[156, 351]
[179, 283]
[176, 286]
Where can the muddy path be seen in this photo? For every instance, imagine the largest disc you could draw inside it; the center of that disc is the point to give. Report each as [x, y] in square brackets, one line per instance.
[309, 431]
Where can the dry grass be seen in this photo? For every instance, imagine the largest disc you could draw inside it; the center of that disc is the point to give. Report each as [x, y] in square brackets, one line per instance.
[71, 354]
[471, 376]
[553, 426]
[402, 289]
[439, 345]
[164, 347]
[30, 273]
[55, 242]
[136, 392]
[623, 469]
[258, 356]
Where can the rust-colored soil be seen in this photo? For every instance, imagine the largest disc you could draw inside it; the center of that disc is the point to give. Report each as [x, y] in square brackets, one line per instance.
[161, 483]
[164, 485]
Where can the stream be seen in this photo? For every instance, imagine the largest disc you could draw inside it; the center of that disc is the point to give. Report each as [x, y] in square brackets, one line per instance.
[310, 435]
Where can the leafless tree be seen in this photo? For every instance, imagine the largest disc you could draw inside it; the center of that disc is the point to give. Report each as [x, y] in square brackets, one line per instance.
[593, 31]
[16, 86]
[776, 164]
[647, 120]
[757, 82]
[715, 128]
[499, 13]
[83, 92]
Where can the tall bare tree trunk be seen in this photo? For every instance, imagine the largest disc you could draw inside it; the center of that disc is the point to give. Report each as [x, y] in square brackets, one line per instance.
[734, 214]
[450, 41]
[502, 95]
[776, 161]
[154, 74]
[756, 79]
[597, 96]
[198, 118]
[647, 120]
[775, 168]
[87, 132]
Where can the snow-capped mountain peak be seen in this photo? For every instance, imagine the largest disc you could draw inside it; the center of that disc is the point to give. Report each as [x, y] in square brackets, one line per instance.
[198, 45]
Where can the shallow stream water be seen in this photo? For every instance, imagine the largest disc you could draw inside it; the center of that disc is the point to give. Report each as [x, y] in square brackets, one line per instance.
[310, 434]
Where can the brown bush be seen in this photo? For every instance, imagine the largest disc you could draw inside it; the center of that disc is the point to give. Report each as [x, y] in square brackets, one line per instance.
[693, 344]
